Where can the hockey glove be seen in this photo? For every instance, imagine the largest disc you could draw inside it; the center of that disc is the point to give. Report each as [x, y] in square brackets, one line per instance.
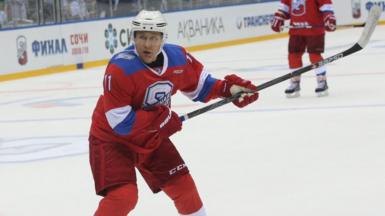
[278, 21]
[330, 22]
[234, 84]
[167, 122]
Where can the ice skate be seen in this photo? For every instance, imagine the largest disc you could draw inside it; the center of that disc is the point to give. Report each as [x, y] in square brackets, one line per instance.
[293, 90]
[322, 86]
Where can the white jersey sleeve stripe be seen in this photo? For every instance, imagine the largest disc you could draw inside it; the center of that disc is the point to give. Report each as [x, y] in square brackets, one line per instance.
[326, 8]
[283, 7]
[118, 115]
[195, 93]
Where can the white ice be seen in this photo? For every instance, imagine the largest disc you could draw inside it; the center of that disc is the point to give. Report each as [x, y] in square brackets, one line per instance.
[292, 157]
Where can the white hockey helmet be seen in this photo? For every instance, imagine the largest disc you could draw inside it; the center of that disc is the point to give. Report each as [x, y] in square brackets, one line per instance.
[149, 21]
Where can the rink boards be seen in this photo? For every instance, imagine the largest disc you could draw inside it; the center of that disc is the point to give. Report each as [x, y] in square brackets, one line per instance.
[60, 48]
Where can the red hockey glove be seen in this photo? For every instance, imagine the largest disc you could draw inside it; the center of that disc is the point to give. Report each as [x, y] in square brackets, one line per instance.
[167, 122]
[278, 21]
[330, 22]
[234, 84]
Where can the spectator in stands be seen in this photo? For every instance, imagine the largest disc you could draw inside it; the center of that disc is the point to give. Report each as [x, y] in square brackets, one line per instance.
[126, 7]
[17, 12]
[3, 18]
[75, 9]
[155, 5]
[48, 11]
[3, 15]
[92, 8]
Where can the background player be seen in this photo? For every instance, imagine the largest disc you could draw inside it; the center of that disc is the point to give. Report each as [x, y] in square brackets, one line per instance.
[132, 121]
[308, 21]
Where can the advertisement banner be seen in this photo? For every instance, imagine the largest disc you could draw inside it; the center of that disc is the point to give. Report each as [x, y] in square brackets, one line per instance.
[51, 47]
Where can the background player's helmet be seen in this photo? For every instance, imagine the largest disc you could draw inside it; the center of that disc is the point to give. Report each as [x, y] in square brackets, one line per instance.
[149, 21]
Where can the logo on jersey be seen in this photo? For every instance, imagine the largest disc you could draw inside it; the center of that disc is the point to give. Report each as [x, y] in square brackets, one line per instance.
[298, 7]
[21, 46]
[158, 70]
[178, 71]
[158, 93]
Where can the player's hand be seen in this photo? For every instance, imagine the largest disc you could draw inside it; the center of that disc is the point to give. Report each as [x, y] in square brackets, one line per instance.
[278, 21]
[330, 22]
[167, 122]
[233, 85]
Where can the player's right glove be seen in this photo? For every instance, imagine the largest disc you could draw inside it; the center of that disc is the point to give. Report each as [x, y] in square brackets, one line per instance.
[233, 85]
[278, 21]
[167, 122]
[330, 21]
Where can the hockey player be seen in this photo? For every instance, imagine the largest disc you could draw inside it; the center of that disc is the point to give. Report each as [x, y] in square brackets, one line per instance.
[133, 120]
[308, 21]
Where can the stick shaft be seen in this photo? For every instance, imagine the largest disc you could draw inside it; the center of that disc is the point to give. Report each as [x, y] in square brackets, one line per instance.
[370, 25]
[275, 81]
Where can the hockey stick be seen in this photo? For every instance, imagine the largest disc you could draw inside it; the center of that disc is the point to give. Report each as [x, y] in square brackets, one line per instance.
[370, 25]
[338, 26]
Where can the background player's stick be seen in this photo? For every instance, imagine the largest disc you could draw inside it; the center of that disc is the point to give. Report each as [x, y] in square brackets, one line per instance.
[370, 25]
[338, 26]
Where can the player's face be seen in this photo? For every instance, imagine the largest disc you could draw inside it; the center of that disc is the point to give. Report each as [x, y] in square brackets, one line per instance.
[147, 45]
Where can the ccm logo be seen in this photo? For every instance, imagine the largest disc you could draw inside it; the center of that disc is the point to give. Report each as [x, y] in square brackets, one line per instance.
[166, 120]
[176, 169]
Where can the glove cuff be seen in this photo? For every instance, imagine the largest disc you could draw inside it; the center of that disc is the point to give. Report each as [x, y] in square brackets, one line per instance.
[327, 15]
[281, 15]
[224, 89]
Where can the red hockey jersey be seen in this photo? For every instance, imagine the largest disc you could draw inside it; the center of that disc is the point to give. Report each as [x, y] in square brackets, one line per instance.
[306, 13]
[131, 88]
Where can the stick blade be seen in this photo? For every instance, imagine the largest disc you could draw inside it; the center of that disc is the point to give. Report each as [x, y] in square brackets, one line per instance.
[370, 25]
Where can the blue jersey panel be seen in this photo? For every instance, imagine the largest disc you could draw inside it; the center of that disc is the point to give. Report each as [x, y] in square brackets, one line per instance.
[124, 127]
[128, 61]
[207, 86]
[176, 56]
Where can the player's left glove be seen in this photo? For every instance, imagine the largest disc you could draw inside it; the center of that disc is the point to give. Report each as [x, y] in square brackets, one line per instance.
[167, 121]
[330, 22]
[233, 85]
[159, 122]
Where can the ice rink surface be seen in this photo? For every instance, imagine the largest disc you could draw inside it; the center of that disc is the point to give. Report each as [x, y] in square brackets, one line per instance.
[277, 157]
